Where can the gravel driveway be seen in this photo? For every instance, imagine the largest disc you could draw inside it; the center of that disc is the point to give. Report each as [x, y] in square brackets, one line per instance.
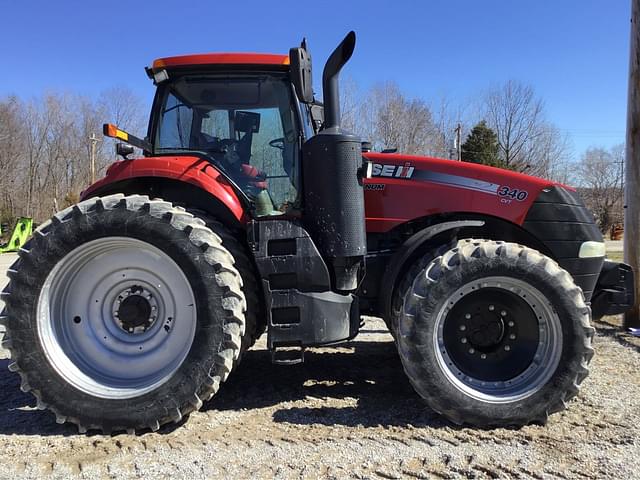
[347, 412]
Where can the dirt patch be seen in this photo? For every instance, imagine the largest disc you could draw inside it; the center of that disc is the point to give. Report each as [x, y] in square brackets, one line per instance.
[347, 412]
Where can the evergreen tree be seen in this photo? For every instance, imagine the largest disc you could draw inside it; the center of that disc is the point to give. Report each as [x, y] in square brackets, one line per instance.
[481, 146]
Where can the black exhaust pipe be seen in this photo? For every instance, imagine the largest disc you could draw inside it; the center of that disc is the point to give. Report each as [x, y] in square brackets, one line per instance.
[330, 74]
[333, 192]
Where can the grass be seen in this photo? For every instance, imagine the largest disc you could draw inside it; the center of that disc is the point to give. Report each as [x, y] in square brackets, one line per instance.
[615, 256]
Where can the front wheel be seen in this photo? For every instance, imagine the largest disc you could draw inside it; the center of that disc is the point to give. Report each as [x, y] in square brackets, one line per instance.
[494, 334]
[124, 313]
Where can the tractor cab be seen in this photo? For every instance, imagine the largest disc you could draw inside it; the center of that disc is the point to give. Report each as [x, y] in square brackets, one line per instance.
[249, 124]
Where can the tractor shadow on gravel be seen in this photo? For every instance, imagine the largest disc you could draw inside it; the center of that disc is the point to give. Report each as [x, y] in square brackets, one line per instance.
[367, 374]
[18, 412]
[360, 383]
[615, 332]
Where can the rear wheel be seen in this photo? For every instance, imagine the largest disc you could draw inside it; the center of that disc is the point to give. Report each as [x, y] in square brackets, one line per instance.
[124, 313]
[494, 334]
[255, 316]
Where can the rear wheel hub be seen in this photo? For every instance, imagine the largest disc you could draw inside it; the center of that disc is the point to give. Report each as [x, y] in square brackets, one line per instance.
[135, 310]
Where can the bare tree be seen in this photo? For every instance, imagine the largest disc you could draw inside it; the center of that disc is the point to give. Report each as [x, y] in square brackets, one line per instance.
[350, 106]
[516, 115]
[400, 122]
[447, 114]
[550, 155]
[44, 148]
[121, 106]
[600, 174]
[11, 145]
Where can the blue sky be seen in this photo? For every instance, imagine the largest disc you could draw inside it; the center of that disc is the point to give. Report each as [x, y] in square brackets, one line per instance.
[573, 52]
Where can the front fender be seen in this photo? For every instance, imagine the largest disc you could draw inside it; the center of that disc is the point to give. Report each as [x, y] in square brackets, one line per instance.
[407, 250]
[191, 170]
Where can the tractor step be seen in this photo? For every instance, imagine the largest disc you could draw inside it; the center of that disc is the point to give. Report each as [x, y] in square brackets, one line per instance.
[302, 309]
[287, 355]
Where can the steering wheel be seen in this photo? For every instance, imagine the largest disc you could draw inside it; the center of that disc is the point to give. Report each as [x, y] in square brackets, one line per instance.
[277, 143]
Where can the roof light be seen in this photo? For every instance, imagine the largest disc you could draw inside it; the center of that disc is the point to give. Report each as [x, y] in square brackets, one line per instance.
[160, 76]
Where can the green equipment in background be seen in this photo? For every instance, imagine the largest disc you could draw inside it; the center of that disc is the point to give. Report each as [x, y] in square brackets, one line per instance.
[20, 235]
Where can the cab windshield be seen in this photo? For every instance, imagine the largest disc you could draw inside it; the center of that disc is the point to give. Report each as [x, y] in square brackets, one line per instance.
[245, 125]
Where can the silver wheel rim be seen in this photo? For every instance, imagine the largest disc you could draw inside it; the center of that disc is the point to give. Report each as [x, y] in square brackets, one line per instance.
[87, 328]
[546, 358]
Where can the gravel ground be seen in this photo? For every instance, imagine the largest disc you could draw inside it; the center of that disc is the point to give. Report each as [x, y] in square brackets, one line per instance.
[347, 412]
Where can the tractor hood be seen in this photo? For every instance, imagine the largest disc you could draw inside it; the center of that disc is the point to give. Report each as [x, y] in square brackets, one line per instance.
[404, 188]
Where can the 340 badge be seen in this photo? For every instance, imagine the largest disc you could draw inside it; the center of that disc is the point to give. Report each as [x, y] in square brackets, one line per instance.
[512, 193]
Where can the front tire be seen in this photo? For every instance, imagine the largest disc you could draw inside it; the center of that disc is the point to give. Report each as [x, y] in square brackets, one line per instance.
[123, 313]
[494, 334]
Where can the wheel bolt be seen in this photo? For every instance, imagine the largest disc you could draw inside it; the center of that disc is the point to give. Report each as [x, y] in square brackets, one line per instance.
[491, 308]
[467, 316]
[472, 351]
[463, 340]
[512, 336]
[507, 348]
[511, 324]
[463, 328]
[483, 356]
[503, 313]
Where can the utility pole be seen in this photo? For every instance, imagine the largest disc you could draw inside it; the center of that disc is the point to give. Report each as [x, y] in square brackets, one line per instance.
[458, 131]
[94, 142]
[632, 166]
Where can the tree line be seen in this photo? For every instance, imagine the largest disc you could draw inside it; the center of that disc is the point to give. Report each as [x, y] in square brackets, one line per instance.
[45, 146]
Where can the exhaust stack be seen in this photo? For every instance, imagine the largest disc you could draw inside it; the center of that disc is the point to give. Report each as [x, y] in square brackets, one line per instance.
[330, 74]
[333, 192]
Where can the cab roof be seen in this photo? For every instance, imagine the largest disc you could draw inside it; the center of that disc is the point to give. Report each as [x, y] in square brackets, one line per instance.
[212, 59]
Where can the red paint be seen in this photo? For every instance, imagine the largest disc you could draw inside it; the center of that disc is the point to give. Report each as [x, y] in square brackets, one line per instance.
[402, 200]
[222, 59]
[405, 199]
[193, 170]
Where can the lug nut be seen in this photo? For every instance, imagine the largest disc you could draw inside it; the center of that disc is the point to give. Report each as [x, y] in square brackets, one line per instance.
[483, 356]
[467, 316]
[463, 340]
[512, 336]
[503, 313]
[511, 324]
[507, 348]
[472, 351]
[491, 308]
[463, 328]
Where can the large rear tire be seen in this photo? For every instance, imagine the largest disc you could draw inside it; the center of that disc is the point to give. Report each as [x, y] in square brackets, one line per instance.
[494, 334]
[255, 316]
[123, 313]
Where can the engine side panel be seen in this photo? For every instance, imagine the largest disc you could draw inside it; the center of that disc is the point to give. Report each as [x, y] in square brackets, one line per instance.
[404, 188]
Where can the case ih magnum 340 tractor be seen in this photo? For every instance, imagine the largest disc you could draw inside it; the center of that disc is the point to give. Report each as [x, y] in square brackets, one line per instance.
[253, 210]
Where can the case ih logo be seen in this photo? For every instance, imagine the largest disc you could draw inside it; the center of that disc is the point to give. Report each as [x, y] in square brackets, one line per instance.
[395, 171]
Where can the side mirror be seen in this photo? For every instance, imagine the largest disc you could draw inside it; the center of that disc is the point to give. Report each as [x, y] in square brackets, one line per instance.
[123, 150]
[317, 116]
[300, 62]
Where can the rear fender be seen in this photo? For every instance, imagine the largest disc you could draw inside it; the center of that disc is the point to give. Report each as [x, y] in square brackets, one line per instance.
[189, 180]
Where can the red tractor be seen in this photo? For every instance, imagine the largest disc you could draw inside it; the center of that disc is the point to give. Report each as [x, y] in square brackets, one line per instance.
[253, 210]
